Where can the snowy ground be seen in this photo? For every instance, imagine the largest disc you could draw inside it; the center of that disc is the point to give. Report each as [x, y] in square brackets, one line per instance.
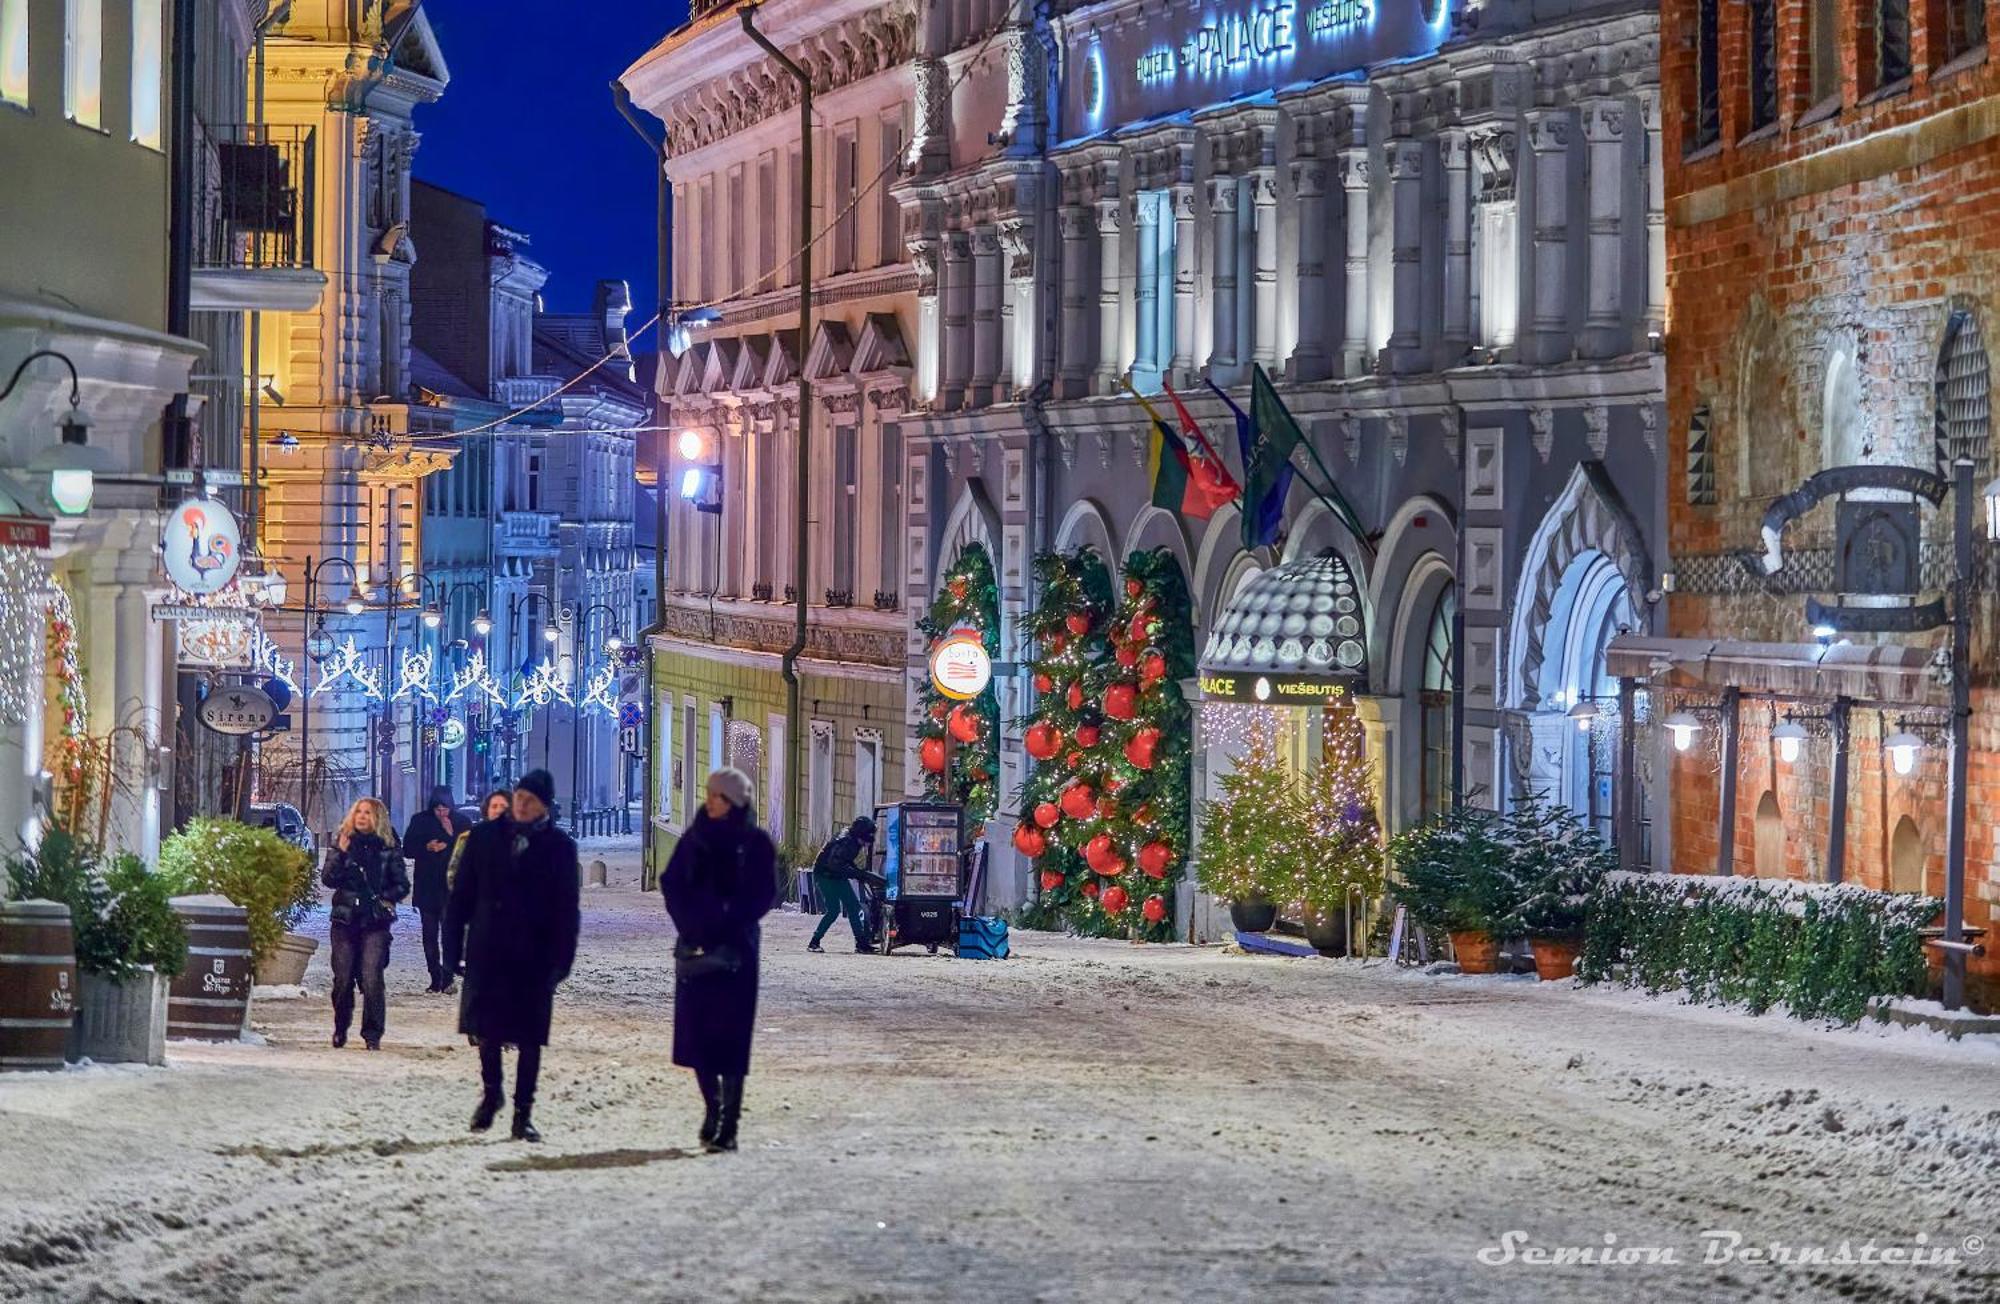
[1090, 1121]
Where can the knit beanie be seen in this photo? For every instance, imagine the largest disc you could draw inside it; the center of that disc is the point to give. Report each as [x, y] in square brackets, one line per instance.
[733, 784]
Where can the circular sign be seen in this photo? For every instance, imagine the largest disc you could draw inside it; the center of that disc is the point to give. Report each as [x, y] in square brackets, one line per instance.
[453, 736]
[237, 709]
[201, 547]
[224, 642]
[960, 668]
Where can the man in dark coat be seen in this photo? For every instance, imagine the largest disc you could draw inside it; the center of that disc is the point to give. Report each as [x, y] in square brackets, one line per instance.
[513, 917]
[840, 862]
[427, 842]
[721, 880]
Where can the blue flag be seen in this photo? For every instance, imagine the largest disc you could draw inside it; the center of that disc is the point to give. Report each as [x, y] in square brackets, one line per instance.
[1263, 512]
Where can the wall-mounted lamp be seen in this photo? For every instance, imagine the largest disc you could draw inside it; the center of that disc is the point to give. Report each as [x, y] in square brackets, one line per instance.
[1902, 747]
[1683, 727]
[72, 464]
[1789, 736]
[1585, 714]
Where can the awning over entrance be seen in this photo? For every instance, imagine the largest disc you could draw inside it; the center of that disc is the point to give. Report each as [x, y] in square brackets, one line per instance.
[1889, 674]
[1295, 634]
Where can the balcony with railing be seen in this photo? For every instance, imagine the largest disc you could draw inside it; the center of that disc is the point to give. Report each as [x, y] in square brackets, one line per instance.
[527, 534]
[255, 192]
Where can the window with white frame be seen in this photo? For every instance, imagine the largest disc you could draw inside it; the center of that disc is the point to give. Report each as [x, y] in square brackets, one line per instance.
[867, 772]
[83, 62]
[663, 806]
[1155, 287]
[14, 52]
[147, 20]
[819, 783]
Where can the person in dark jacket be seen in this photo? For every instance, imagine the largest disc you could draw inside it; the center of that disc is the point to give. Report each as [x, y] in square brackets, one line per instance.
[499, 805]
[720, 881]
[368, 878]
[840, 862]
[427, 844]
[512, 919]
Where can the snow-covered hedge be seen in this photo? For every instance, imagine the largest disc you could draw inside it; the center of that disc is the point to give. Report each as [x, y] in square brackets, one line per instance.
[1822, 950]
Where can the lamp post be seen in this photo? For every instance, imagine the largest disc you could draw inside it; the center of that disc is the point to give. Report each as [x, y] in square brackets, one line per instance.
[318, 646]
[517, 605]
[439, 597]
[72, 464]
[580, 643]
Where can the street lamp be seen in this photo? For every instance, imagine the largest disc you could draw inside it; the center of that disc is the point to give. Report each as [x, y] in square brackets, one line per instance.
[72, 464]
[482, 624]
[580, 653]
[1789, 737]
[357, 597]
[319, 644]
[550, 634]
[1584, 713]
[1683, 727]
[432, 617]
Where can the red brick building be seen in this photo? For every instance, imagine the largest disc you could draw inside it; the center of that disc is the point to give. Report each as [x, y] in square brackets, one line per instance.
[1833, 243]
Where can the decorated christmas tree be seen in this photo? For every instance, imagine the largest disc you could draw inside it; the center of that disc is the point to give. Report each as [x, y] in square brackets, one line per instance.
[1335, 859]
[958, 743]
[1249, 837]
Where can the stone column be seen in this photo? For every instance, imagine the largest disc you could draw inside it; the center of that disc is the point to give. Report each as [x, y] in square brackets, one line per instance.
[1110, 220]
[1406, 267]
[1656, 216]
[1264, 273]
[986, 272]
[957, 317]
[924, 258]
[1356, 359]
[1146, 289]
[1017, 240]
[1225, 357]
[1548, 140]
[932, 152]
[1605, 334]
[1456, 157]
[1185, 261]
[1076, 222]
[1309, 359]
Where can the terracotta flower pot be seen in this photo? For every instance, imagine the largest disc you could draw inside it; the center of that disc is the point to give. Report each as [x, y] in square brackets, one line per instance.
[1555, 957]
[1477, 951]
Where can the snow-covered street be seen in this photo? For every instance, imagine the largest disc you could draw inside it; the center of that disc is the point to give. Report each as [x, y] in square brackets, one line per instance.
[1089, 1121]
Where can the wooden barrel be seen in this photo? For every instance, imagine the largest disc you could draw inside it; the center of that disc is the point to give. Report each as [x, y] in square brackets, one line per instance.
[37, 984]
[210, 998]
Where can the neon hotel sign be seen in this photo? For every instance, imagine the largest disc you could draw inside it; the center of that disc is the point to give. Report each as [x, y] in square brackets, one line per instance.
[1263, 31]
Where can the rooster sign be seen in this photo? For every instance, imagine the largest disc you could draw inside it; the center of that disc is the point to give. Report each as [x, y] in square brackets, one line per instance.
[201, 547]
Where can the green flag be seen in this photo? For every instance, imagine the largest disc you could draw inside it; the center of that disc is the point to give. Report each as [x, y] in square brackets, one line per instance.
[1275, 434]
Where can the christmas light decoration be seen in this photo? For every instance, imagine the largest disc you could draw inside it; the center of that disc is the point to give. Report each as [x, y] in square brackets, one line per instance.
[597, 693]
[415, 677]
[475, 677]
[348, 662]
[264, 654]
[68, 751]
[24, 597]
[967, 599]
[544, 685]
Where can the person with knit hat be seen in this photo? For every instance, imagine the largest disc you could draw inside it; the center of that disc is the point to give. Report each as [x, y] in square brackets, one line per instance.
[514, 915]
[721, 880]
[841, 861]
[427, 844]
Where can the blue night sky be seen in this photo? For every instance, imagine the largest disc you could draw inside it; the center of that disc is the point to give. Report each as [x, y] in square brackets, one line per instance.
[528, 128]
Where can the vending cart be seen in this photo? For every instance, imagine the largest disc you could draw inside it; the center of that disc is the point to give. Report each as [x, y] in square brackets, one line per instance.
[919, 857]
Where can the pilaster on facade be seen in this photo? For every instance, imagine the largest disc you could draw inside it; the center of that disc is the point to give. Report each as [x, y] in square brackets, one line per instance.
[1404, 352]
[1550, 134]
[1610, 159]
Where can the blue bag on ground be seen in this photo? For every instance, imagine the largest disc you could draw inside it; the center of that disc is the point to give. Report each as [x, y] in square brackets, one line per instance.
[982, 939]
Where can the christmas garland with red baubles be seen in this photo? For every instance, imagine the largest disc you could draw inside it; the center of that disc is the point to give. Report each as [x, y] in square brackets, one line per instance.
[965, 769]
[1105, 816]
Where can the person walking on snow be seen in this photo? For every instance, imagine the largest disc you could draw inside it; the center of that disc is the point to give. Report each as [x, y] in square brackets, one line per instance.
[499, 805]
[512, 919]
[427, 843]
[721, 880]
[842, 860]
[367, 876]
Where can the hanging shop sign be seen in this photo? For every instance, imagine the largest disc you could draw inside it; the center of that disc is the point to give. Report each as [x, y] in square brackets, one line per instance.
[1877, 546]
[237, 709]
[452, 736]
[202, 547]
[960, 667]
[23, 532]
[218, 643]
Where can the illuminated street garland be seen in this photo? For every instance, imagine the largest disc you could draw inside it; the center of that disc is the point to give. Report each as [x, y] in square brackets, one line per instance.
[544, 685]
[68, 750]
[415, 674]
[24, 599]
[966, 599]
[597, 693]
[476, 676]
[264, 654]
[348, 662]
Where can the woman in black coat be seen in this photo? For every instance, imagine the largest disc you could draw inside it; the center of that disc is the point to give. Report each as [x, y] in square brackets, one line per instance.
[721, 880]
[513, 919]
[366, 873]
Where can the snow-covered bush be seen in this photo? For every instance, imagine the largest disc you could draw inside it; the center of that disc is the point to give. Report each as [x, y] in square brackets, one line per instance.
[1455, 872]
[1558, 861]
[1822, 950]
[255, 868]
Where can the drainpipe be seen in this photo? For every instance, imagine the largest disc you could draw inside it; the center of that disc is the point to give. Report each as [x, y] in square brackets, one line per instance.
[793, 724]
[655, 139]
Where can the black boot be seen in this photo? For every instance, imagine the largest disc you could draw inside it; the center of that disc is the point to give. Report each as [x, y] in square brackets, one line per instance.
[489, 1109]
[711, 1097]
[524, 1128]
[731, 1107]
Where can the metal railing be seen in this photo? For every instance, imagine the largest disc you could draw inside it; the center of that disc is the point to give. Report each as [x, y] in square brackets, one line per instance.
[601, 823]
[254, 205]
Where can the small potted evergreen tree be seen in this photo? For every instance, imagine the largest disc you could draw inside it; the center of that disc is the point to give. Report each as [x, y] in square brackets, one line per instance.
[1559, 862]
[1248, 836]
[1339, 859]
[1455, 875]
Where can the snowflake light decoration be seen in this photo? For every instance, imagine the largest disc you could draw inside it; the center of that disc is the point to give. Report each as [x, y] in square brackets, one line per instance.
[416, 677]
[347, 662]
[475, 677]
[597, 693]
[544, 685]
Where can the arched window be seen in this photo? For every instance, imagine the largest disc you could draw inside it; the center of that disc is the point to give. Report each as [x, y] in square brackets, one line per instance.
[1763, 30]
[1770, 838]
[1964, 402]
[1906, 857]
[1434, 705]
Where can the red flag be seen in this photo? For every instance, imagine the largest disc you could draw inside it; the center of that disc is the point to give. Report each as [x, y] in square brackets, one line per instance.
[1208, 476]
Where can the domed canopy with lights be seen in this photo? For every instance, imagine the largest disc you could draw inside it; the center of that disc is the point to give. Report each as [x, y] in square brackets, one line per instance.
[1297, 632]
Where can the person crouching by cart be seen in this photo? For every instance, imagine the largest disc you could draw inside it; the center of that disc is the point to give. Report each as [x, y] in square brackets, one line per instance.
[841, 861]
[513, 917]
[368, 878]
[721, 880]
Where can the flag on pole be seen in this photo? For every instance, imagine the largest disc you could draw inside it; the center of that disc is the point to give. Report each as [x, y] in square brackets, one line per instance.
[1262, 515]
[1275, 436]
[1183, 481]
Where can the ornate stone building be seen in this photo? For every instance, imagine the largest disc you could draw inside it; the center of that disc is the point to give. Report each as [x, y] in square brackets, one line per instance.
[1420, 220]
[729, 394]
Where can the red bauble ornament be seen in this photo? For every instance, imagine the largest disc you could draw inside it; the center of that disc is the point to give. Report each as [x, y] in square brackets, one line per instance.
[958, 588]
[1099, 851]
[1077, 801]
[1075, 696]
[1073, 760]
[1057, 642]
[1043, 740]
[1134, 588]
[1155, 908]
[1047, 814]
[1087, 735]
[1112, 783]
[1030, 841]
[1154, 858]
[964, 724]
[1143, 817]
[1121, 701]
[1107, 809]
[1114, 900]
[1043, 683]
[1051, 880]
[1078, 624]
[1126, 655]
[1140, 750]
[1090, 888]
[1154, 667]
[933, 755]
[938, 710]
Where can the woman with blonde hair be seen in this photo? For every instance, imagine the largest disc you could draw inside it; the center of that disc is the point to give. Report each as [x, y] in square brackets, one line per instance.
[368, 878]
